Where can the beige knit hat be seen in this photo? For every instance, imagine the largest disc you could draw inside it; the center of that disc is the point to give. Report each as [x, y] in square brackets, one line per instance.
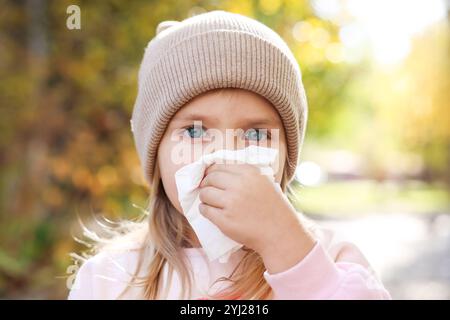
[212, 50]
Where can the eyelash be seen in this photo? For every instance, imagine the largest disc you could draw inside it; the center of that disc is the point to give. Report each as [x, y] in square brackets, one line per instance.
[267, 131]
[186, 129]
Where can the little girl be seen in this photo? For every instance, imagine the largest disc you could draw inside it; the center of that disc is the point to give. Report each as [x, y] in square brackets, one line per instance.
[216, 72]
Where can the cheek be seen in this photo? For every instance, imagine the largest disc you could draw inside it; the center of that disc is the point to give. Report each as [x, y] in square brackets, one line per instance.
[282, 163]
[168, 167]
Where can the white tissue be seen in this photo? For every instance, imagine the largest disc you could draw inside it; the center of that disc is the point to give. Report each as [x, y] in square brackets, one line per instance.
[188, 178]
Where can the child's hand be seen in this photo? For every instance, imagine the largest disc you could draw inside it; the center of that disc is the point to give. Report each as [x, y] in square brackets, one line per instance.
[250, 209]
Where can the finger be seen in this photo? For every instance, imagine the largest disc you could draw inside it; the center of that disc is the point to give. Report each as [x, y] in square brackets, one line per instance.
[219, 179]
[212, 196]
[236, 168]
[215, 215]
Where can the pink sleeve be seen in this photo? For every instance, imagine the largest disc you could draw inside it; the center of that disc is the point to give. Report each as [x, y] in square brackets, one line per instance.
[317, 276]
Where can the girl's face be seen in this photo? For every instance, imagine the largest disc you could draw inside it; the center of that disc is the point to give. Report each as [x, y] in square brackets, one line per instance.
[218, 119]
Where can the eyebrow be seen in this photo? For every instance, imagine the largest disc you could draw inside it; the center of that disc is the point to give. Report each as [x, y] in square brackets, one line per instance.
[191, 117]
[250, 122]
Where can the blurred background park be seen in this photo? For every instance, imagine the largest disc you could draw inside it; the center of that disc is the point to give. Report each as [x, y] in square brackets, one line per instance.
[375, 163]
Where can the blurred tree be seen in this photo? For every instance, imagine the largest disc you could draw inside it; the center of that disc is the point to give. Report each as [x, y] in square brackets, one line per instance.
[66, 97]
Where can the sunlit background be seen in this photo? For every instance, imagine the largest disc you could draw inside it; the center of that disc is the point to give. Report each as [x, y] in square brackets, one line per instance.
[374, 166]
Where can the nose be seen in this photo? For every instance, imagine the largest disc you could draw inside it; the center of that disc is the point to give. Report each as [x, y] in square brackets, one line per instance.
[229, 139]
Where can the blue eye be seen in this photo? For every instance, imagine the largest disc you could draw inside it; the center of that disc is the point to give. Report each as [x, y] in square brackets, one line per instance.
[195, 132]
[256, 134]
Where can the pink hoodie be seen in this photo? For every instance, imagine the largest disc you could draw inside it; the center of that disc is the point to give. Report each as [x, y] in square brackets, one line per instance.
[331, 270]
[318, 276]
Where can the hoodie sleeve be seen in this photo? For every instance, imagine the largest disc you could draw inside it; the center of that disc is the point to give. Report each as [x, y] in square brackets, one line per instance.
[317, 276]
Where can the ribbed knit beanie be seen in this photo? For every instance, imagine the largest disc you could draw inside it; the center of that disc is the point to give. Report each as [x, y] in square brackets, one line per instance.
[216, 49]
